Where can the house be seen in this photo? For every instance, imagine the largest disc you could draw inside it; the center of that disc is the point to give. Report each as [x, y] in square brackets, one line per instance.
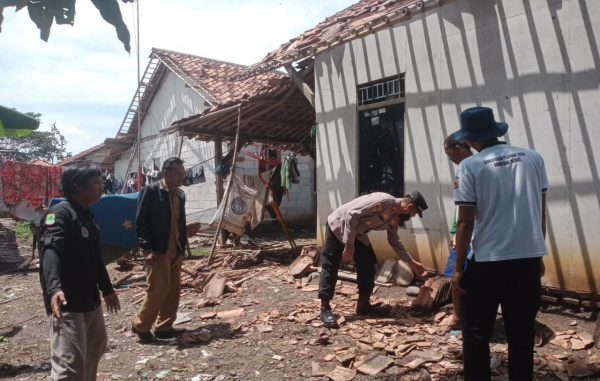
[93, 155]
[394, 76]
[176, 90]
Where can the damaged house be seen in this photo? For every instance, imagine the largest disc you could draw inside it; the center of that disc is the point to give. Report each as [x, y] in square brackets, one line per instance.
[390, 81]
[177, 89]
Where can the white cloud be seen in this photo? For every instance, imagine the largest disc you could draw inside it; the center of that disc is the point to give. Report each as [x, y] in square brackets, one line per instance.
[83, 79]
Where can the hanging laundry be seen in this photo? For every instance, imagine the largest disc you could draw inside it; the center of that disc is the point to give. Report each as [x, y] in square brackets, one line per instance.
[194, 175]
[289, 171]
[275, 183]
[199, 174]
[285, 173]
[294, 173]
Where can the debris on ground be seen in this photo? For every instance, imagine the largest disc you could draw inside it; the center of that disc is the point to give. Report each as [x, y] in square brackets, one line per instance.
[262, 322]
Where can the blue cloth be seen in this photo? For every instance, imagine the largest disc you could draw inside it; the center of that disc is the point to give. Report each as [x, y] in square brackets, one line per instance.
[115, 214]
[452, 260]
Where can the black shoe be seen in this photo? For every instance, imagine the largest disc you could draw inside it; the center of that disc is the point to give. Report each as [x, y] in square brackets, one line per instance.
[170, 333]
[368, 309]
[327, 318]
[145, 337]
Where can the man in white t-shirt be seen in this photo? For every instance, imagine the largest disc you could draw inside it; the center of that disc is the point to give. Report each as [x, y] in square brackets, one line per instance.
[501, 198]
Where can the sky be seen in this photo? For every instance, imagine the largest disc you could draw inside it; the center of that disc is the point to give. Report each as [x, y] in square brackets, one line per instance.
[83, 80]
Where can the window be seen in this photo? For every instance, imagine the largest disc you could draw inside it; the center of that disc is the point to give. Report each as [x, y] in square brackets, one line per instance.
[381, 137]
[383, 90]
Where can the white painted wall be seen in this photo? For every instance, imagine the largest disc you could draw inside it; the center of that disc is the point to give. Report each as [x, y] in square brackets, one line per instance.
[175, 101]
[536, 63]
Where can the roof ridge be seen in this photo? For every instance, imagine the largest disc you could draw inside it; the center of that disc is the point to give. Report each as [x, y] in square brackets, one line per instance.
[82, 153]
[158, 50]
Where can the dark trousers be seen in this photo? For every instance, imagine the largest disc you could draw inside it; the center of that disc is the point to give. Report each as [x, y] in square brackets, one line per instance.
[331, 256]
[515, 285]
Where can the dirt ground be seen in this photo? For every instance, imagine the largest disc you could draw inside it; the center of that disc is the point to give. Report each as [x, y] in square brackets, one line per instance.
[278, 336]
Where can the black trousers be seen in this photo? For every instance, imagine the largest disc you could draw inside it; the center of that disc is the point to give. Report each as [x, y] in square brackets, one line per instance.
[331, 256]
[515, 285]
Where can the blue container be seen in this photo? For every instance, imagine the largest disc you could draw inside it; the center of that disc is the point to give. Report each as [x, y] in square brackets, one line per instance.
[115, 214]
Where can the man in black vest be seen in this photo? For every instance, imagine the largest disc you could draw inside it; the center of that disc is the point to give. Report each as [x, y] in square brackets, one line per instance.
[161, 234]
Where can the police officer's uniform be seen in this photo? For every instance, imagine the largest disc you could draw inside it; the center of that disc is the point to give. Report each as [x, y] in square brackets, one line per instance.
[349, 224]
[71, 262]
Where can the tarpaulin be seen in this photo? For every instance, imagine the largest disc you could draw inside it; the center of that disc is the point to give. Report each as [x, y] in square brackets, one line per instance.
[115, 214]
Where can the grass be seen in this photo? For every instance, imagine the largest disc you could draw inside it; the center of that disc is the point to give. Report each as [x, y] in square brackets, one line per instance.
[200, 252]
[23, 232]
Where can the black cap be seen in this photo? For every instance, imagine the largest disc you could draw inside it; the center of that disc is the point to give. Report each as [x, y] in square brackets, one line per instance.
[418, 199]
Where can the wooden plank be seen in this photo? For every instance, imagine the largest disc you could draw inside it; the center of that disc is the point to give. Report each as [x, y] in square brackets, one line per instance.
[303, 86]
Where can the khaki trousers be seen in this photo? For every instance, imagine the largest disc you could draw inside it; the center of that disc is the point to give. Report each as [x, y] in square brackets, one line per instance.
[76, 345]
[162, 295]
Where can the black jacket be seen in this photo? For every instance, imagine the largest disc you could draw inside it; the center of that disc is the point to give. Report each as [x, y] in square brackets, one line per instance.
[71, 259]
[153, 218]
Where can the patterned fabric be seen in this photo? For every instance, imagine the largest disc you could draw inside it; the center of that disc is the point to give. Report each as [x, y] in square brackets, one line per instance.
[29, 182]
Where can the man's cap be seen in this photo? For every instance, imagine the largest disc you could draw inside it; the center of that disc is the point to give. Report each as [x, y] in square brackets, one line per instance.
[477, 124]
[419, 201]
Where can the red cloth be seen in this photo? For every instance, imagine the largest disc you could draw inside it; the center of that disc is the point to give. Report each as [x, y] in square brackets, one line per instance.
[31, 182]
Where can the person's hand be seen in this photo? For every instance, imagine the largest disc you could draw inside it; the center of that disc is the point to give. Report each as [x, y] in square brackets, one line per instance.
[348, 253]
[112, 303]
[456, 277]
[418, 268]
[58, 300]
[150, 260]
[453, 241]
[192, 228]
[542, 267]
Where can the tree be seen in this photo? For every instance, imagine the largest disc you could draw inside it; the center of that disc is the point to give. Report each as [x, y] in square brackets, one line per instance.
[44, 12]
[50, 146]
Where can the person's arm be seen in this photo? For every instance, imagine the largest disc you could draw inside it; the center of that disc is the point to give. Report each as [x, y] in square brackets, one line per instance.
[394, 241]
[544, 178]
[104, 283]
[542, 265]
[142, 219]
[111, 299]
[55, 232]
[465, 198]
[51, 271]
[453, 227]
[464, 231]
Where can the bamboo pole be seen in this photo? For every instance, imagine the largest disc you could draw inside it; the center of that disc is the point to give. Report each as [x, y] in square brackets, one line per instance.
[229, 184]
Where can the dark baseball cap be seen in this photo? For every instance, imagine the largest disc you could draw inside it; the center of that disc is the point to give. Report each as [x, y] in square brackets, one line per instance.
[418, 199]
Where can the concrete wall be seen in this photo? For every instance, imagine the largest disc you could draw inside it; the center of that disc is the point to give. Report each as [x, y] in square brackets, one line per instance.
[175, 101]
[536, 63]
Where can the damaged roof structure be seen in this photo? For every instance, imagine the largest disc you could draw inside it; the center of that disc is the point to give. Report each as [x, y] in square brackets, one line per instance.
[274, 110]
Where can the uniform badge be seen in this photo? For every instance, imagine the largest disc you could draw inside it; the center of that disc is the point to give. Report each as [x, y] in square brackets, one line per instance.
[84, 232]
[377, 207]
[50, 219]
[456, 183]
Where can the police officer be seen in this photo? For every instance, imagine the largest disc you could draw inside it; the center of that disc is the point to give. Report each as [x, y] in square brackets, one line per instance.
[72, 273]
[346, 237]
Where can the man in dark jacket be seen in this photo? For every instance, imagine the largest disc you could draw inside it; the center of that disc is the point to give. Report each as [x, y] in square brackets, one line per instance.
[161, 234]
[71, 273]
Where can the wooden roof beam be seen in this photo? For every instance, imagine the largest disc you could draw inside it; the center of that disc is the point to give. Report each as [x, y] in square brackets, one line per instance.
[302, 85]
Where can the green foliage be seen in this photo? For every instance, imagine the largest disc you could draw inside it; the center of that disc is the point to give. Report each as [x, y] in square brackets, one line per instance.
[23, 232]
[50, 146]
[45, 12]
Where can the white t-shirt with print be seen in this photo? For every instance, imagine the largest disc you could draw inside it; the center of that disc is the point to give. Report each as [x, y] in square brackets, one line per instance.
[505, 185]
